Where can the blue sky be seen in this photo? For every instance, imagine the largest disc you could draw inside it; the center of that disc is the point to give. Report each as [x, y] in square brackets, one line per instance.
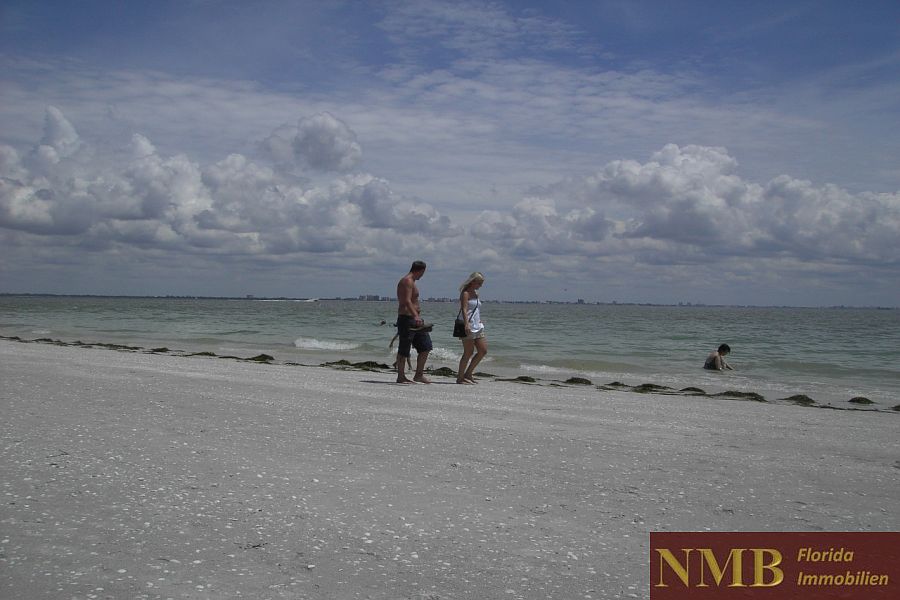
[719, 152]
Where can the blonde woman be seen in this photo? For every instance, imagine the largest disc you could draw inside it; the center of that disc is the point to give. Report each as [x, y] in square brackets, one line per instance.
[475, 342]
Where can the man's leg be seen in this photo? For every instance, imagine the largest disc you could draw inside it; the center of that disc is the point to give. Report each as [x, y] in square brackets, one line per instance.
[421, 359]
[422, 343]
[403, 350]
[401, 369]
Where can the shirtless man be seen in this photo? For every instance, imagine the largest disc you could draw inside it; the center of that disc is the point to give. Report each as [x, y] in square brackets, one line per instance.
[408, 320]
[716, 359]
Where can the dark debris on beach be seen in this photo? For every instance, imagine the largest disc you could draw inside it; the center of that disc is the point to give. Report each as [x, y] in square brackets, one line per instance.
[801, 400]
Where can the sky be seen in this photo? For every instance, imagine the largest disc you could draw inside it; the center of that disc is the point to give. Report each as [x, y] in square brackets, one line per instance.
[630, 151]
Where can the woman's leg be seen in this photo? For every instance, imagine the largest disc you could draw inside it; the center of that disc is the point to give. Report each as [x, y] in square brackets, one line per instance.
[468, 349]
[481, 350]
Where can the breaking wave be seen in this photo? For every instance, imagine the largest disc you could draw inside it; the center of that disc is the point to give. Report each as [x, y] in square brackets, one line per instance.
[314, 344]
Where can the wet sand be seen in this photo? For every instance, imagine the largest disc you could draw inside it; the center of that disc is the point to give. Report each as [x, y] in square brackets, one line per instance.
[137, 475]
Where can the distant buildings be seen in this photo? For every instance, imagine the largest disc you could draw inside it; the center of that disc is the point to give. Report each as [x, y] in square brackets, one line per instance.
[377, 298]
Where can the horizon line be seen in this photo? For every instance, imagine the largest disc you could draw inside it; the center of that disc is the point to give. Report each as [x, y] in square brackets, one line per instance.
[376, 298]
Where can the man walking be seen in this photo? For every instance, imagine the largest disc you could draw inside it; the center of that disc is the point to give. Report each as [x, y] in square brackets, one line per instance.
[410, 326]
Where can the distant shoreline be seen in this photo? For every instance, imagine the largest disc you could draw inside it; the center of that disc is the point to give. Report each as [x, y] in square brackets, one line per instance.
[251, 298]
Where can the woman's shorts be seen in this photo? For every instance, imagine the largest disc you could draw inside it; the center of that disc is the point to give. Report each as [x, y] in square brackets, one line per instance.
[476, 335]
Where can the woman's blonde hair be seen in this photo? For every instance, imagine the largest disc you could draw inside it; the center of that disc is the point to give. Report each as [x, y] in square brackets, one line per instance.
[475, 276]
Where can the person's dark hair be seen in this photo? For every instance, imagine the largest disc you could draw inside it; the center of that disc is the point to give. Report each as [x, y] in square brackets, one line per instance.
[418, 265]
[724, 348]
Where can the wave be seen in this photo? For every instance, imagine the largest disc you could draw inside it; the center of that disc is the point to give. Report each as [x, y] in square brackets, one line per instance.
[445, 354]
[613, 371]
[545, 369]
[314, 344]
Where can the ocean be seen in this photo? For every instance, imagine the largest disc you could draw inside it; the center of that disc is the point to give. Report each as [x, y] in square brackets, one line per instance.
[828, 354]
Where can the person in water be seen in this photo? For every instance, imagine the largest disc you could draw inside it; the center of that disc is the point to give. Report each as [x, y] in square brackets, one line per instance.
[716, 360]
[410, 327]
[475, 341]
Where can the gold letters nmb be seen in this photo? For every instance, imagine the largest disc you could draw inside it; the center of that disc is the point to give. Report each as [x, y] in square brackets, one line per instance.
[765, 560]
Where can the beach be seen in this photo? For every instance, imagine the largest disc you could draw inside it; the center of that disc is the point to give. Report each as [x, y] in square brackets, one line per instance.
[130, 474]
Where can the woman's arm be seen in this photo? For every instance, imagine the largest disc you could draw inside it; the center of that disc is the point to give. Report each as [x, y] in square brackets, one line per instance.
[464, 307]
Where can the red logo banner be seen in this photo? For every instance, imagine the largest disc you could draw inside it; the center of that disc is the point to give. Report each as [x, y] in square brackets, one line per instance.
[774, 565]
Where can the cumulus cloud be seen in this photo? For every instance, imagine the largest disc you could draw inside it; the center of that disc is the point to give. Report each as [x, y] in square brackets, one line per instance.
[60, 138]
[813, 222]
[232, 207]
[380, 209]
[685, 208]
[688, 203]
[321, 142]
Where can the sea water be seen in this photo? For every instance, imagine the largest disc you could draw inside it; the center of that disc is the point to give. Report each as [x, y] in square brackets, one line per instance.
[830, 355]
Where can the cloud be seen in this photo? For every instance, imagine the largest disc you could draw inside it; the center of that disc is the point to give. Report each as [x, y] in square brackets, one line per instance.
[321, 142]
[381, 209]
[592, 143]
[685, 212]
[235, 206]
[825, 222]
[687, 205]
[60, 138]
[477, 28]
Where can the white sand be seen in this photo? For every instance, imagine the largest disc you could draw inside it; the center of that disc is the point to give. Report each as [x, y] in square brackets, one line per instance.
[129, 475]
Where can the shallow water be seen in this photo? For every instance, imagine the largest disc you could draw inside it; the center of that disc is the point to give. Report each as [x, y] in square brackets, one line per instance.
[830, 355]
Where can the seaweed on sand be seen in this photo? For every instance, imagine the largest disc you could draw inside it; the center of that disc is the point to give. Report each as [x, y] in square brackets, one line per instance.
[443, 372]
[800, 400]
[521, 379]
[692, 391]
[650, 388]
[368, 365]
[262, 358]
[741, 395]
[860, 400]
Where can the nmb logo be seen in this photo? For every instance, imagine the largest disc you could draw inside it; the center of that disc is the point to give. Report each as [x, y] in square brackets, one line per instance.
[706, 567]
[777, 565]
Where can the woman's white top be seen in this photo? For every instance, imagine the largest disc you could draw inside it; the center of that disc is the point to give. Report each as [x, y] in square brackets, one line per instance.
[473, 312]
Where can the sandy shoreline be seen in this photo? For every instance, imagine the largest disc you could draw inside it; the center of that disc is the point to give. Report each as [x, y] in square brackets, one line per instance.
[131, 475]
